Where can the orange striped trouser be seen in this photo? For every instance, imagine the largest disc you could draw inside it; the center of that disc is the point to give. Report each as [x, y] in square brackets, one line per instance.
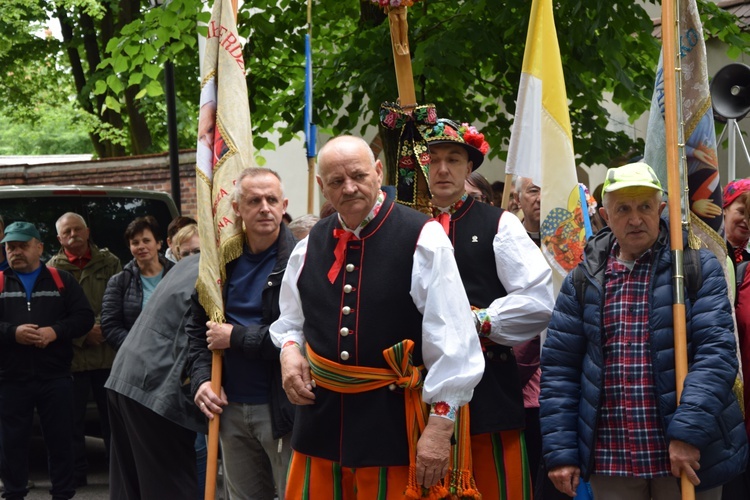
[312, 478]
[402, 373]
[501, 466]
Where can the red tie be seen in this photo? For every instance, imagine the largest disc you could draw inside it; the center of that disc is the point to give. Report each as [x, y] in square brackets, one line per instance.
[445, 220]
[343, 237]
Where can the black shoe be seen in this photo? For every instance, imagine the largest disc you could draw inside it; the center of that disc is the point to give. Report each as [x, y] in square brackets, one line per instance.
[80, 482]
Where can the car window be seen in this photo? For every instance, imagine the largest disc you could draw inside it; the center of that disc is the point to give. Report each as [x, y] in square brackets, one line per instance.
[106, 216]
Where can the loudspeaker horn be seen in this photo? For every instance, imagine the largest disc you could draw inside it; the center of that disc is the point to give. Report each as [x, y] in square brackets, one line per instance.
[730, 91]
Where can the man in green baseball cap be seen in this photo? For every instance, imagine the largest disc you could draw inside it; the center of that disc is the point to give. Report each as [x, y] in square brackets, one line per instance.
[21, 231]
[608, 411]
[23, 247]
[41, 311]
[631, 175]
[632, 207]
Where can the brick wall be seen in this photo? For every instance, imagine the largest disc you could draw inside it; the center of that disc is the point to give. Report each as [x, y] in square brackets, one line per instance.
[143, 172]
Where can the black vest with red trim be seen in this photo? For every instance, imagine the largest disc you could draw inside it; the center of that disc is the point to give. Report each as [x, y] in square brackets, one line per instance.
[366, 310]
[497, 404]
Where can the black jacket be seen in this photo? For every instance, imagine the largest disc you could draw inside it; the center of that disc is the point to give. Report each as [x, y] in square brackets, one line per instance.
[68, 313]
[254, 341]
[123, 301]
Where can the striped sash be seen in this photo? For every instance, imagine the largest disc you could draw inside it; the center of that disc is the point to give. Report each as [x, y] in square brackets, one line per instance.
[402, 373]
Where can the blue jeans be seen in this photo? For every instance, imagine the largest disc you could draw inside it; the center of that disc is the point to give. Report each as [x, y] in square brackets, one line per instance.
[53, 400]
[253, 460]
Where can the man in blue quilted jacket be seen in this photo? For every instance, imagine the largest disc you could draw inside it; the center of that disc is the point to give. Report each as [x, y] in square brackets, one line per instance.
[608, 407]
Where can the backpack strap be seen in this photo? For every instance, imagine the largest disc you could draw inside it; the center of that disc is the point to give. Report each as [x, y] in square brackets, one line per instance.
[58, 279]
[579, 284]
[55, 276]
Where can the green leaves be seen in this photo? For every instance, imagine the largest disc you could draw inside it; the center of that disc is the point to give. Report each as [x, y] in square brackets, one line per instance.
[115, 84]
[151, 70]
[154, 89]
[111, 103]
[100, 87]
[168, 18]
[466, 58]
[61, 131]
[120, 64]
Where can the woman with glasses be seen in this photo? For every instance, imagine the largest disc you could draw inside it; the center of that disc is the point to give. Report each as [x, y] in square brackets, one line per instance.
[478, 187]
[187, 242]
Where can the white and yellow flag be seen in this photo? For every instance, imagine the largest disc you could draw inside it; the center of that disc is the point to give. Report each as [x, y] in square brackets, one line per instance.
[224, 150]
[541, 143]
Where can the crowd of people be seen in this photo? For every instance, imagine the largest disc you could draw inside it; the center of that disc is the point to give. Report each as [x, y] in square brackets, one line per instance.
[377, 352]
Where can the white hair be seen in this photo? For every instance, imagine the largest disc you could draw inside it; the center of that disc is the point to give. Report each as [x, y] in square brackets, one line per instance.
[518, 182]
[74, 215]
[302, 225]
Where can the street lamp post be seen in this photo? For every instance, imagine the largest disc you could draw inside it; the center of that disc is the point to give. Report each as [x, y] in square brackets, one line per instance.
[174, 148]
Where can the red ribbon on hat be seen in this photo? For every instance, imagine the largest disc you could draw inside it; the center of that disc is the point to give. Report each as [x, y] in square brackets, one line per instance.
[343, 236]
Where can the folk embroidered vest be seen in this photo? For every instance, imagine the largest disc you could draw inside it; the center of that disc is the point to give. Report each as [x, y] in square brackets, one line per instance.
[497, 404]
[366, 310]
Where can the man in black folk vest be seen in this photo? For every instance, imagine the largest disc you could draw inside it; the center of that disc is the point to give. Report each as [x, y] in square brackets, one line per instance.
[509, 285]
[374, 276]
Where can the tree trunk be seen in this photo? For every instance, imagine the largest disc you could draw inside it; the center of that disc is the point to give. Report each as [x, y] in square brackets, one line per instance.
[140, 135]
[84, 33]
[79, 76]
[92, 48]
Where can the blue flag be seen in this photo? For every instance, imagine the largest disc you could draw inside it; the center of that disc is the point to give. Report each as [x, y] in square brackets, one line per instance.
[309, 125]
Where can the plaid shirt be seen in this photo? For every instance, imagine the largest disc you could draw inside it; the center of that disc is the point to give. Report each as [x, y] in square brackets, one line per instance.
[630, 439]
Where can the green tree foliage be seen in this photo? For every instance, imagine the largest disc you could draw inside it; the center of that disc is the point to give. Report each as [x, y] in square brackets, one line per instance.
[466, 58]
[37, 67]
[54, 133]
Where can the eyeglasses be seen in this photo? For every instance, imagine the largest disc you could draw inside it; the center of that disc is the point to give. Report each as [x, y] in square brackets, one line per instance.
[189, 252]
